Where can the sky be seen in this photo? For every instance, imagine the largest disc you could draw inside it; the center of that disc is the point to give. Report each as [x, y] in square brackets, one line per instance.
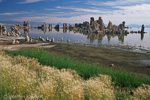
[76, 11]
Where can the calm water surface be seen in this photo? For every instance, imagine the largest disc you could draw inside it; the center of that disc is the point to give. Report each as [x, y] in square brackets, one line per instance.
[135, 39]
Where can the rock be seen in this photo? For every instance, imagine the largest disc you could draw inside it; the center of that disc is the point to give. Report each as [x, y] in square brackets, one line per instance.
[42, 39]
[109, 25]
[44, 25]
[112, 65]
[47, 39]
[71, 27]
[50, 27]
[102, 25]
[68, 41]
[27, 39]
[64, 25]
[52, 40]
[31, 39]
[13, 41]
[61, 39]
[142, 29]
[8, 33]
[26, 24]
[92, 20]
[17, 41]
[57, 27]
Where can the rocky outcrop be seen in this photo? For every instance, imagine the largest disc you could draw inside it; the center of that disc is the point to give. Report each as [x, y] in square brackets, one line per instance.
[26, 24]
[57, 27]
[109, 25]
[142, 29]
[50, 27]
[101, 24]
[98, 27]
[64, 25]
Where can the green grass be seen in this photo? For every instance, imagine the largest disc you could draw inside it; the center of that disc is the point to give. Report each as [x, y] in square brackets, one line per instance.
[85, 70]
[121, 96]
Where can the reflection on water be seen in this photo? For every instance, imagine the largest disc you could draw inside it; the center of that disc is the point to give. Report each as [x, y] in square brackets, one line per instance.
[132, 39]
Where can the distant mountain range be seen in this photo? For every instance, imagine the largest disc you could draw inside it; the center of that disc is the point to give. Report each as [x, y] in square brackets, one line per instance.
[61, 24]
[135, 25]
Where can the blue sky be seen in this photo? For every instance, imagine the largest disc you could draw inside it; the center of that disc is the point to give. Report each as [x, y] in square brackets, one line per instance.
[76, 11]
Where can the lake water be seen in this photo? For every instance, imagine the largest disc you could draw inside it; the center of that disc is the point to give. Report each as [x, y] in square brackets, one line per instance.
[137, 40]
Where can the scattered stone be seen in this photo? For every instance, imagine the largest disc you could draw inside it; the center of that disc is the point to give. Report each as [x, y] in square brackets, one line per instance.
[61, 39]
[17, 42]
[68, 41]
[27, 39]
[47, 39]
[112, 65]
[31, 39]
[52, 40]
[42, 39]
[13, 41]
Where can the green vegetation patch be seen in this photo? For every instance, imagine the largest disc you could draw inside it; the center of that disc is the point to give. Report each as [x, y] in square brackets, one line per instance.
[85, 70]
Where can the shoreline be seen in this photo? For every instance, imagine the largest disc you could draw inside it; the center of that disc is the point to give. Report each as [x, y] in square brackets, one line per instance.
[121, 59]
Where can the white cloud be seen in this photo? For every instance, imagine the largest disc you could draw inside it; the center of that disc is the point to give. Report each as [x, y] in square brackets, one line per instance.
[117, 2]
[9, 14]
[30, 1]
[132, 14]
[50, 9]
[81, 9]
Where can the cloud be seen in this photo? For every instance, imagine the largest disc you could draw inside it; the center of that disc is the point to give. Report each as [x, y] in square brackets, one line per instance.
[1, 1]
[30, 1]
[81, 9]
[64, 14]
[132, 14]
[117, 2]
[50, 9]
[9, 14]
[138, 14]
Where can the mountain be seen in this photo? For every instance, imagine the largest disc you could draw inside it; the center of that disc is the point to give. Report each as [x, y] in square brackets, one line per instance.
[136, 25]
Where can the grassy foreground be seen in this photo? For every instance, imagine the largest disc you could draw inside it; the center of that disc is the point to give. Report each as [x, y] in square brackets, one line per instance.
[85, 70]
[24, 78]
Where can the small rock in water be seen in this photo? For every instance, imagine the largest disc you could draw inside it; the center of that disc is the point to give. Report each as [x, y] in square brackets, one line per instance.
[42, 39]
[47, 39]
[30, 39]
[112, 65]
[61, 39]
[68, 41]
[17, 41]
[52, 40]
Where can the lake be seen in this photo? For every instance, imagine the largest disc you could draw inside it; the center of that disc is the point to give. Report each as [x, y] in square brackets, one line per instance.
[135, 40]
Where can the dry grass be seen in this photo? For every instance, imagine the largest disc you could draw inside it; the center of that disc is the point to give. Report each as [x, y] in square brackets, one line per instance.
[142, 93]
[26, 77]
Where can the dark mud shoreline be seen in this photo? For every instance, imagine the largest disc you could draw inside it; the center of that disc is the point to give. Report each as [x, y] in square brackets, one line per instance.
[122, 59]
